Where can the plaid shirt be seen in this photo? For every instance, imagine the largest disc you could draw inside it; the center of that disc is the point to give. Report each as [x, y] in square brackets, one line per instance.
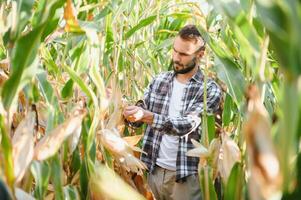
[156, 100]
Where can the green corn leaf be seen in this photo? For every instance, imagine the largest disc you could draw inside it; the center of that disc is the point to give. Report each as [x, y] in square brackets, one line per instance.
[141, 24]
[41, 173]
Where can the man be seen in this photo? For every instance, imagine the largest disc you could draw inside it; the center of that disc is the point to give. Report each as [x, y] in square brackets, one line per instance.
[173, 104]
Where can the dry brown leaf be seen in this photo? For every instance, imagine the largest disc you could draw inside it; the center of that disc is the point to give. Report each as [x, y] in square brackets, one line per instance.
[75, 179]
[265, 177]
[105, 99]
[70, 17]
[116, 118]
[121, 128]
[23, 145]
[99, 155]
[22, 104]
[142, 187]
[5, 64]
[137, 182]
[73, 139]
[133, 140]
[16, 119]
[124, 174]
[51, 143]
[50, 196]
[3, 77]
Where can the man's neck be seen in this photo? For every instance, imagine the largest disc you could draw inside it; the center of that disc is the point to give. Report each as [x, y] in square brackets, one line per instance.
[184, 78]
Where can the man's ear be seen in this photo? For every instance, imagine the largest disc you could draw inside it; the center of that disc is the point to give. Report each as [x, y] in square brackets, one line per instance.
[200, 54]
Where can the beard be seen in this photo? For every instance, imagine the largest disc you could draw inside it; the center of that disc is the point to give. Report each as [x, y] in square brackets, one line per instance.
[184, 68]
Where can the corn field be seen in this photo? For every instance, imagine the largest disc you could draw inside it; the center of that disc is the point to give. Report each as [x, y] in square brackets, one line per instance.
[68, 68]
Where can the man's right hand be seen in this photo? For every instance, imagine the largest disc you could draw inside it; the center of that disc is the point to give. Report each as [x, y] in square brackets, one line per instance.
[133, 113]
[138, 114]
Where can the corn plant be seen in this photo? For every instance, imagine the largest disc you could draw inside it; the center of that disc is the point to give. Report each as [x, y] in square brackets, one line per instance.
[254, 46]
[67, 69]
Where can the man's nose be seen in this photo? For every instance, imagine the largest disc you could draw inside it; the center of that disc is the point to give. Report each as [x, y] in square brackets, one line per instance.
[176, 57]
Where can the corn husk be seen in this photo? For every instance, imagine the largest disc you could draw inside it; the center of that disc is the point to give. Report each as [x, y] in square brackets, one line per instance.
[51, 143]
[23, 145]
[264, 167]
[121, 150]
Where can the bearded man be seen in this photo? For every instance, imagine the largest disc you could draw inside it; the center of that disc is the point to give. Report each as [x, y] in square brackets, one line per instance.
[172, 109]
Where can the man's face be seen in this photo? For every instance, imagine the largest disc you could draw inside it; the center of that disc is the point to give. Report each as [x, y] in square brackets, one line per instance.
[185, 54]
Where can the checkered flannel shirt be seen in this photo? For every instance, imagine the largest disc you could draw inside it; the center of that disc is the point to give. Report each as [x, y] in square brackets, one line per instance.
[156, 100]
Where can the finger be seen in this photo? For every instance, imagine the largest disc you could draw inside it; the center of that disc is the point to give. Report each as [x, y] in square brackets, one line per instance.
[126, 110]
[129, 108]
[130, 112]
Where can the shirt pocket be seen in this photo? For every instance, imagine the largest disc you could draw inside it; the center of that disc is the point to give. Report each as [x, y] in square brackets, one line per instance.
[162, 88]
[161, 91]
[158, 98]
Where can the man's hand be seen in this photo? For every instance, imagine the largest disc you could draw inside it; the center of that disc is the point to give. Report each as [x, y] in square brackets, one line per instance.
[137, 114]
[133, 113]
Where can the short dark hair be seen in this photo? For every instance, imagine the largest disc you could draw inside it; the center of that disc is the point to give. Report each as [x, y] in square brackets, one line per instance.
[190, 32]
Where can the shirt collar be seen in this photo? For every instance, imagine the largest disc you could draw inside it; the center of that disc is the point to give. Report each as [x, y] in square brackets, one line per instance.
[198, 76]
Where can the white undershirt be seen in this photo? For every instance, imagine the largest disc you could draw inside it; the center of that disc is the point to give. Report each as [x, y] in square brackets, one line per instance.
[169, 144]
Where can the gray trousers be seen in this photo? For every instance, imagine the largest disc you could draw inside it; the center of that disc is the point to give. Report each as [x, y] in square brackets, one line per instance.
[164, 186]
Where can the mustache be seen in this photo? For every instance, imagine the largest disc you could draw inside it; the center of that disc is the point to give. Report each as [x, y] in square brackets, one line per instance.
[178, 63]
